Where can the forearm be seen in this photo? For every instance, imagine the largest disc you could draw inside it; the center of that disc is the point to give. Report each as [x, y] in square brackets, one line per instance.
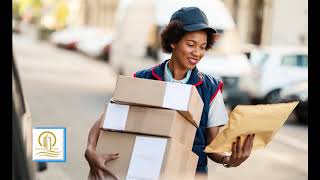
[211, 134]
[94, 135]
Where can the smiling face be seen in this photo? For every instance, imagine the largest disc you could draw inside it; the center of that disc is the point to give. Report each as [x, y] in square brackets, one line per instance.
[190, 49]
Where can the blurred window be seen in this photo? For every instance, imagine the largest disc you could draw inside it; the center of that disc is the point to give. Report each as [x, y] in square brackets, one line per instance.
[303, 61]
[290, 60]
[295, 60]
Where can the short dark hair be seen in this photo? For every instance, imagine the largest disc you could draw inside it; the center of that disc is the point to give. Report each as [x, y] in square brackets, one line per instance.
[174, 32]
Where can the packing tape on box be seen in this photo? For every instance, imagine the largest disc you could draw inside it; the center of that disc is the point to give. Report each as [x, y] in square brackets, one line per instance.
[147, 157]
[176, 96]
[116, 116]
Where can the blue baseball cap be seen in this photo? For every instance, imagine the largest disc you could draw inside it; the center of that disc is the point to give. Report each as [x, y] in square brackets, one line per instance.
[192, 18]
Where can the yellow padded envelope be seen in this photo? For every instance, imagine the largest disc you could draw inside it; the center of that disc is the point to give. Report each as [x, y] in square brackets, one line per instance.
[263, 120]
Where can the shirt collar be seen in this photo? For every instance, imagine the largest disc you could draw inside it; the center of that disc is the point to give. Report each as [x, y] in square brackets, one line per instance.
[168, 75]
[196, 78]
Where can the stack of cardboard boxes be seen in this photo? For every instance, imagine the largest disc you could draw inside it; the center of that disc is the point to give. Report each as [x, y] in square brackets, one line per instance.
[152, 125]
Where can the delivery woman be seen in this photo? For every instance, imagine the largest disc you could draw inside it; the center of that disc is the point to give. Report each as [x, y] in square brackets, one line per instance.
[187, 37]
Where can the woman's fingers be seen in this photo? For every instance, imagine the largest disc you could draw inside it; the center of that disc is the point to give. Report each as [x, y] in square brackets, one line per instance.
[109, 173]
[246, 145]
[241, 152]
[234, 149]
[101, 175]
[238, 148]
[98, 170]
[102, 172]
[249, 145]
[251, 142]
[109, 157]
[93, 172]
[92, 176]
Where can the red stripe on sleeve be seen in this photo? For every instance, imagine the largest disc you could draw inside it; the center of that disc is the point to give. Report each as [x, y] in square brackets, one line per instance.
[155, 75]
[220, 86]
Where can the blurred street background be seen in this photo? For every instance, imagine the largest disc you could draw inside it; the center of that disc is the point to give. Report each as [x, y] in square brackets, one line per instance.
[70, 52]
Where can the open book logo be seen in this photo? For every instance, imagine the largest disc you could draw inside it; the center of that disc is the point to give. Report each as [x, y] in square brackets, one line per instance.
[49, 144]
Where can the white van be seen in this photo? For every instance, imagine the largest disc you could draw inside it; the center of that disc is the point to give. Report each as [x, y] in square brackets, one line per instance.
[137, 39]
[275, 68]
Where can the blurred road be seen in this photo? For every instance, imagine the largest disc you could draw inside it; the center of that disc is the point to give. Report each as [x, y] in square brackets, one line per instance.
[64, 88]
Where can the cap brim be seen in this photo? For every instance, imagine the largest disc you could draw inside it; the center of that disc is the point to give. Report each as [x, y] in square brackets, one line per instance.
[197, 27]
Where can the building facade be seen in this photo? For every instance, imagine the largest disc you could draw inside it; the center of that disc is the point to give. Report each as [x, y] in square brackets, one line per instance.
[96, 13]
[271, 22]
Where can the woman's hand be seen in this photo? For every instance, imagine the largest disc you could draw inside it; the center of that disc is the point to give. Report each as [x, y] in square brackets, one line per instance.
[98, 170]
[240, 154]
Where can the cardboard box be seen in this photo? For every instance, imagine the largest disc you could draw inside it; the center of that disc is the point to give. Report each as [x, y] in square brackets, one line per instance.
[181, 97]
[150, 121]
[147, 157]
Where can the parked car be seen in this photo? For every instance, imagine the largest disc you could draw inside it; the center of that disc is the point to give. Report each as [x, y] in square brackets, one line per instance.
[274, 68]
[248, 49]
[70, 36]
[22, 165]
[297, 92]
[97, 46]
